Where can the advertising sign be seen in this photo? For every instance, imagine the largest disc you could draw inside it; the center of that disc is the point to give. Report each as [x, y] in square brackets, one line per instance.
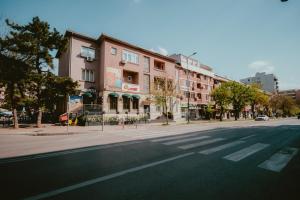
[127, 87]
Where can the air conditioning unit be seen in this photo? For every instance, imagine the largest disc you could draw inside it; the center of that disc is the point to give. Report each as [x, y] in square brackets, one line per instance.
[123, 62]
[89, 59]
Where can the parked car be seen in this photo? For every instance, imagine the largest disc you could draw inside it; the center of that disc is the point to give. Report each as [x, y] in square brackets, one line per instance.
[5, 113]
[262, 118]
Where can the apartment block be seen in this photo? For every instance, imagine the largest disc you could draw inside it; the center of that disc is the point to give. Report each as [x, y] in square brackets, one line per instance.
[268, 82]
[118, 74]
[196, 80]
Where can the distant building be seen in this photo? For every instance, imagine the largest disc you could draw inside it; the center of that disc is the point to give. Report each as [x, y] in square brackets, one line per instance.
[294, 93]
[268, 82]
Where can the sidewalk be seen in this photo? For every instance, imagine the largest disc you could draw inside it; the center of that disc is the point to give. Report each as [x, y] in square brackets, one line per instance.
[25, 142]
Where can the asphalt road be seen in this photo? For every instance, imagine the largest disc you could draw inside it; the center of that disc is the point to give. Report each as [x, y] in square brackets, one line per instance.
[241, 163]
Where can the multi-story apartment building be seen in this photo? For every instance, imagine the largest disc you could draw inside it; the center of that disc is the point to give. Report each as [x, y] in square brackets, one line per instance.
[117, 72]
[268, 82]
[294, 94]
[196, 80]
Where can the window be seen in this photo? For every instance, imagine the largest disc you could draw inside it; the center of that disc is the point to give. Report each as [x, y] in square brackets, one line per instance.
[198, 85]
[113, 51]
[87, 75]
[87, 52]
[159, 65]
[146, 83]
[186, 94]
[192, 95]
[135, 103]
[199, 95]
[146, 64]
[126, 103]
[113, 103]
[130, 57]
[158, 109]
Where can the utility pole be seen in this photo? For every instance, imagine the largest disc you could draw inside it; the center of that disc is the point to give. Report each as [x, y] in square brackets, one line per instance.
[188, 79]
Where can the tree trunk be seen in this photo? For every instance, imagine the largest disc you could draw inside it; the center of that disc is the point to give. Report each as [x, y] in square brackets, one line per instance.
[167, 119]
[236, 116]
[39, 118]
[253, 111]
[221, 114]
[15, 118]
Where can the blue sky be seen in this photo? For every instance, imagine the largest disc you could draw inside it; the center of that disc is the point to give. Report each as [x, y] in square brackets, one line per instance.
[237, 38]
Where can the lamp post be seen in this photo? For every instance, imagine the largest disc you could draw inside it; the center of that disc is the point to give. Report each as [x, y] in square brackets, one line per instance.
[188, 79]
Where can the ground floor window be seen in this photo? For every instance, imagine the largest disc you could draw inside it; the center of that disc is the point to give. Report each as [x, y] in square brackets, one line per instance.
[135, 104]
[113, 101]
[126, 103]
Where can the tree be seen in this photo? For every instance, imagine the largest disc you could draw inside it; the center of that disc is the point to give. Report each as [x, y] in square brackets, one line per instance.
[221, 97]
[239, 96]
[283, 105]
[163, 90]
[257, 98]
[13, 75]
[35, 42]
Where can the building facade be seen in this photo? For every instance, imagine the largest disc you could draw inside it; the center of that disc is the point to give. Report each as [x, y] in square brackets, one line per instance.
[196, 80]
[294, 94]
[117, 74]
[268, 82]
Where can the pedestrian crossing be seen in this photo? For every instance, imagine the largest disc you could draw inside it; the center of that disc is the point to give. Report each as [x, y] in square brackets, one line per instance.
[242, 149]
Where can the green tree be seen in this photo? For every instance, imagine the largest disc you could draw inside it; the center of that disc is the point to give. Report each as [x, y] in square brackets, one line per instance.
[283, 105]
[257, 98]
[13, 74]
[239, 96]
[221, 97]
[35, 42]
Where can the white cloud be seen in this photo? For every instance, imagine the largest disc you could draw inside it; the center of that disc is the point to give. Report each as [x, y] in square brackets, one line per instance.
[262, 66]
[160, 50]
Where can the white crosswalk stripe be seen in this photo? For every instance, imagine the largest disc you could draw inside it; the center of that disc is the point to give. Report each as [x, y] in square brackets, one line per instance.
[279, 160]
[243, 153]
[185, 140]
[171, 138]
[219, 148]
[198, 144]
[247, 137]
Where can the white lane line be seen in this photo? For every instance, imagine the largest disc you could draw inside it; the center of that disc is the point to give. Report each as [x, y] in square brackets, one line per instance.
[47, 155]
[279, 160]
[185, 140]
[171, 138]
[199, 144]
[243, 153]
[247, 137]
[219, 148]
[105, 178]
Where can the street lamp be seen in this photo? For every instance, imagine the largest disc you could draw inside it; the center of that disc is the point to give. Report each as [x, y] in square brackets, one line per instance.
[188, 79]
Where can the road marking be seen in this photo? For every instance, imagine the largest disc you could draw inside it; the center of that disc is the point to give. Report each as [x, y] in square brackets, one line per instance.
[219, 148]
[279, 160]
[199, 144]
[243, 153]
[171, 138]
[47, 155]
[186, 140]
[105, 178]
[247, 137]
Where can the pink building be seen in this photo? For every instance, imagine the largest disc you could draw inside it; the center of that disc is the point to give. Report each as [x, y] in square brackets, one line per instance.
[115, 73]
[196, 78]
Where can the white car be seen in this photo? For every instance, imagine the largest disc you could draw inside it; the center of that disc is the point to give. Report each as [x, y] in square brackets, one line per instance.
[5, 113]
[262, 118]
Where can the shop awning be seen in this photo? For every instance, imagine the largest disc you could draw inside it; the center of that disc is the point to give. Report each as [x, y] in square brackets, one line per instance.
[136, 96]
[113, 94]
[127, 96]
[88, 94]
